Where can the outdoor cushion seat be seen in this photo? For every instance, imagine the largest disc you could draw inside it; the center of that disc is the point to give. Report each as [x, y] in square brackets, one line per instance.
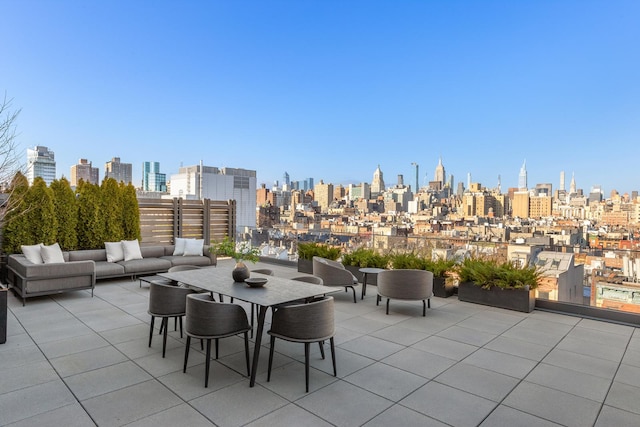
[187, 260]
[145, 265]
[406, 284]
[333, 273]
[304, 323]
[109, 269]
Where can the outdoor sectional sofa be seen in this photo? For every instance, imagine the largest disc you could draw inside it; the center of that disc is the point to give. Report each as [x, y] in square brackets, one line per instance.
[82, 268]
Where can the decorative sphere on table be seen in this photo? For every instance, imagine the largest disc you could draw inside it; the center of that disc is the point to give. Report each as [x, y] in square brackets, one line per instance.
[240, 272]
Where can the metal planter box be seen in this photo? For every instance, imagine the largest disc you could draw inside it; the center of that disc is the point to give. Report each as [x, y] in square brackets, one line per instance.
[512, 299]
[305, 266]
[441, 289]
[3, 314]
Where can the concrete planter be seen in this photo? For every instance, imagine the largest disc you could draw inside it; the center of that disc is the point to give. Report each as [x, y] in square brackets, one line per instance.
[305, 266]
[441, 288]
[3, 314]
[512, 299]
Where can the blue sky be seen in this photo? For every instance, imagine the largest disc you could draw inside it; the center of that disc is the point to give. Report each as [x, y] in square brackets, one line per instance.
[330, 89]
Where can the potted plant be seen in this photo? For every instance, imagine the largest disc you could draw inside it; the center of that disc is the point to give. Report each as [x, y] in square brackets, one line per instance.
[364, 258]
[503, 285]
[306, 252]
[239, 252]
[442, 283]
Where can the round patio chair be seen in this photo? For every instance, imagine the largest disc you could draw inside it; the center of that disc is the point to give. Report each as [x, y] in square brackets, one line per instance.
[207, 319]
[406, 284]
[166, 301]
[304, 323]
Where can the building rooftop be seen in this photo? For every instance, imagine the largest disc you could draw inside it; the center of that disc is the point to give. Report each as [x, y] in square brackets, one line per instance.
[79, 361]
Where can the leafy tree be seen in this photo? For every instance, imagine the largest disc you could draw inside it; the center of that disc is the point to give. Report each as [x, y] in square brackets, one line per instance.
[66, 211]
[112, 210]
[10, 166]
[130, 212]
[14, 229]
[90, 220]
[39, 218]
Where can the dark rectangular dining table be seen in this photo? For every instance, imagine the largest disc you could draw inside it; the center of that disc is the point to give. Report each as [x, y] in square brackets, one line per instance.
[277, 290]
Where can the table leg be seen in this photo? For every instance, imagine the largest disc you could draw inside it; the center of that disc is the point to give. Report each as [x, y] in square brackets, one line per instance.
[364, 285]
[257, 344]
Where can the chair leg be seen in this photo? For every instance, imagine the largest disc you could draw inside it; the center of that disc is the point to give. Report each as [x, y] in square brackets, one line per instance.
[424, 308]
[175, 324]
[273, 342]
[306, 365]
[378, 299]
[165, 321]
[429, 302]
[333, 357]
[180, 326]
[206, 370]
[217, 348]
[355, 300]
[252, 308]
[387, 305]
[151, 330]
[186, 354]
[246, 352]
[321, 344]
[201, 344]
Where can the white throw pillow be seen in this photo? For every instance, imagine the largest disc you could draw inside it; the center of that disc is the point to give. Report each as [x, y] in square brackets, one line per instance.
[51, 253]
[193, 247]
[179, 249]
[131, 249]
[115, 252]
[33, 253]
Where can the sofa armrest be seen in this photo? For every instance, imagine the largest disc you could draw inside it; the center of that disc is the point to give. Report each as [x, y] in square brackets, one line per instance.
[212, 256]
[28, 270]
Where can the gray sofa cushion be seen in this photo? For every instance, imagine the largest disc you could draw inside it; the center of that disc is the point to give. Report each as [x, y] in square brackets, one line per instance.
[92, 254]
[108, 269]
[152, 251]
[145, 265]
[188, 260]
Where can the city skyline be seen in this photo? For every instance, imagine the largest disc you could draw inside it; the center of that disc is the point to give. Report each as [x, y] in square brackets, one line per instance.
[331, 90]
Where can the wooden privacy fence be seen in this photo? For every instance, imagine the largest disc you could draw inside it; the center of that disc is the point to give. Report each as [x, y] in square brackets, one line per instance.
[162, 220]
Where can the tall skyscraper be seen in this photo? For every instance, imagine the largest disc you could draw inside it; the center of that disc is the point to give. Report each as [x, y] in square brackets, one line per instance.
[572, 185]
[118, 171]
[562, 187]
[152, 179]
[41, 162]
[522, 177]
[377, 185]
[84, 171]
[440, 175]
[285, 179]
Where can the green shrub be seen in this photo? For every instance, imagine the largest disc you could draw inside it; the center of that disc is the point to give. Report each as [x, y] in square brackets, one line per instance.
[310, 249]
[365, 258]
[440, 267]
[408, 260]
[489, 272]
[66, 211]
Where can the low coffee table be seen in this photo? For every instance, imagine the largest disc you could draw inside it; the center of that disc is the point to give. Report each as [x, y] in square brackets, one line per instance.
[366, 271]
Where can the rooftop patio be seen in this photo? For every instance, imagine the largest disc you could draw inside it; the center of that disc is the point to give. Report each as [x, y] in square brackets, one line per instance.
[74, 360]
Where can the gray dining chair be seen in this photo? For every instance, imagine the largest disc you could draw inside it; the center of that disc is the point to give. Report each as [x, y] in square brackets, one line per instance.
[333, 273]
[406, 284]
[315, 280]
[166, 301]
[207, 319]
[304, 323]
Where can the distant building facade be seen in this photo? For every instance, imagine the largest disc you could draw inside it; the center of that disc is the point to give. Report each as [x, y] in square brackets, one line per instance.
[41, 162]
[121, 172]
[85, 171]
[377, 184]
[207, 182]
[152, 179]
[323, 194]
